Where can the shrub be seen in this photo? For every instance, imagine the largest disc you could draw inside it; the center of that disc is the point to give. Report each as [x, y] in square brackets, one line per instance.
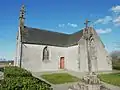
[24, 83]
[14, 71]
[116, 67]
[2, 69]
[20, 79]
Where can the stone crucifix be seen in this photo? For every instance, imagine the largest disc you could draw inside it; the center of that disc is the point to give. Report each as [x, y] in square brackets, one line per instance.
[86, 22]
[86, 35]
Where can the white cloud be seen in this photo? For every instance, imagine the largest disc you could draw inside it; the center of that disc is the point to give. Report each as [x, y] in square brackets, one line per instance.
[116, 9]
[116, 15]
[104, 20]
[103, 31]
[113, 19]
[61, 25]
[68, 25]
[116, 21]
[72, 25]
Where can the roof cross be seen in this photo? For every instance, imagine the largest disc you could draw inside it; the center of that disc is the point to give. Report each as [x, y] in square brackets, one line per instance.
[22, 12]
[22, 16]
[86, 22]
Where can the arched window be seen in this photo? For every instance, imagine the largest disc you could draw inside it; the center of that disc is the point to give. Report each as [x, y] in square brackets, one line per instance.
[45, 54]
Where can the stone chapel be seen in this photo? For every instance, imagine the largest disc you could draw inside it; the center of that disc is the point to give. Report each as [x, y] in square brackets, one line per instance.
[40, 50]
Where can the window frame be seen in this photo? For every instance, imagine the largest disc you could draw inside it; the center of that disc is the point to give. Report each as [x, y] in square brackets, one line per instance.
[45, 56]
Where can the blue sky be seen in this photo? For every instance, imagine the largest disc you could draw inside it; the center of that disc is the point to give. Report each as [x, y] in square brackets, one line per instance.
[65, 16]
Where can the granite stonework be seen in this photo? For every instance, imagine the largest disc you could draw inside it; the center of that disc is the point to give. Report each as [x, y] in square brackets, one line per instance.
[89, 82]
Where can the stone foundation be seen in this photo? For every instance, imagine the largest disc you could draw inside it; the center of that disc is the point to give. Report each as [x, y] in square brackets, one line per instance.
[89, 82]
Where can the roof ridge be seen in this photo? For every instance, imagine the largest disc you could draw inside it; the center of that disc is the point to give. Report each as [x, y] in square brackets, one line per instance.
[54, 31]
[46, 30]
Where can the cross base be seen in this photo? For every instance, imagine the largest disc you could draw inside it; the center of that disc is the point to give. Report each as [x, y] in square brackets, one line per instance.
[89, 82]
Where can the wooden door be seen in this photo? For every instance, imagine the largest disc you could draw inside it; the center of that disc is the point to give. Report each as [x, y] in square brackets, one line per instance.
[61, 62]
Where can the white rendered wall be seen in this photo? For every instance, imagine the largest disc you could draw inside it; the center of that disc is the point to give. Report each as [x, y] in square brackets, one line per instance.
[32, 57]
[18, 47]
[83, 56]
[103, 62]
[72, 58]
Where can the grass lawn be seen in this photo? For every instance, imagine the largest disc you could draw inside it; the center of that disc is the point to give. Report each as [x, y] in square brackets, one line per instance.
[60, 78]
[113, 78]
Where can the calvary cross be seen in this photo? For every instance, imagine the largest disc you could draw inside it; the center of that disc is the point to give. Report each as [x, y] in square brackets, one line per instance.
[86, 23]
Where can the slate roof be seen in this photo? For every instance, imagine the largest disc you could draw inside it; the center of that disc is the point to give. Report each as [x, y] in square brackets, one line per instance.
[45, 37]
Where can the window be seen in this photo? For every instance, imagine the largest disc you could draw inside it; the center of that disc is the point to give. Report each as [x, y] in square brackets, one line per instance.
[45, 54]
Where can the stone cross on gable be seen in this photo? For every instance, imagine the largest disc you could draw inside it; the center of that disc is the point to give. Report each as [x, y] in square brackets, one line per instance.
[86, 32]
[22, 11]
[86, 22]
[22, 15]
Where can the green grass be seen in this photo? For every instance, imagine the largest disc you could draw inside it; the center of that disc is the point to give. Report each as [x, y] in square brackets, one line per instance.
[59, 78]
[113, 78]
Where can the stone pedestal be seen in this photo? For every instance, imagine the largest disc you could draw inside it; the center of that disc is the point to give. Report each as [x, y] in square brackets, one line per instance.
[93, 87]
[89, 82]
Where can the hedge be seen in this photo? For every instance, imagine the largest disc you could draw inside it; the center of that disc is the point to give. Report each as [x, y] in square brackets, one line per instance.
[14, 71]
[20, 79]
[116, 64]
[116, 67]
[1, 69]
